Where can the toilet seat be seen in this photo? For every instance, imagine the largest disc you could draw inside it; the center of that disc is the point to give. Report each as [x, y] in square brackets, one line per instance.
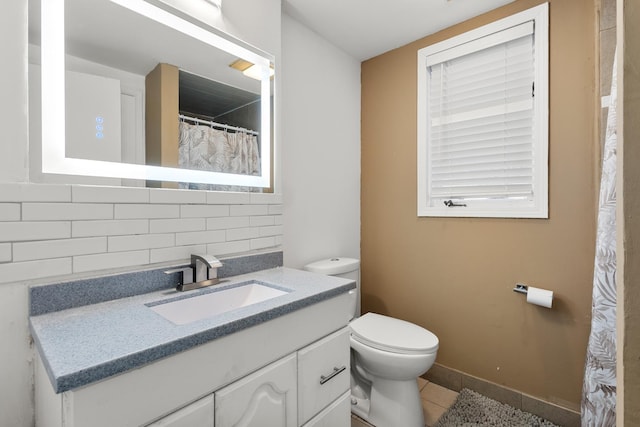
[393, 335]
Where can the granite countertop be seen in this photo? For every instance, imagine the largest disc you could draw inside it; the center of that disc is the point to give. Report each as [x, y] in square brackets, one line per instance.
[85, 344]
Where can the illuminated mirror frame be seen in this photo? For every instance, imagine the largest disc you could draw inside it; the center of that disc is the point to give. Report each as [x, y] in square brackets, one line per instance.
[54, 159]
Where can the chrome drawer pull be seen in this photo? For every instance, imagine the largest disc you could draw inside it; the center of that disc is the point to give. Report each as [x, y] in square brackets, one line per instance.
[335, 372]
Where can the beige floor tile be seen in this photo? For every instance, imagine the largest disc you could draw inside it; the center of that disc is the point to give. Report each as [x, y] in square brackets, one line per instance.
[435, 401]
[432, 412]
[357, 422]
[439, 395]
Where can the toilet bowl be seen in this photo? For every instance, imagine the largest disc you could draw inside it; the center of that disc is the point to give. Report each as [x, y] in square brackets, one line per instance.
[388, 355]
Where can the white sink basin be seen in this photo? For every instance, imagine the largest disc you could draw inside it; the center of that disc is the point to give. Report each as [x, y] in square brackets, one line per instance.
[201, 306]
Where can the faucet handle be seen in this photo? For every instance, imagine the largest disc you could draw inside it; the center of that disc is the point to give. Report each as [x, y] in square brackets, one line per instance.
[213, 261]
[214, 265]
[186, 276]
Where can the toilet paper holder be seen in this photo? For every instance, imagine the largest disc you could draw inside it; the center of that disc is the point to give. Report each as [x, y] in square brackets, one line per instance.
[521, 288]
[535, 296]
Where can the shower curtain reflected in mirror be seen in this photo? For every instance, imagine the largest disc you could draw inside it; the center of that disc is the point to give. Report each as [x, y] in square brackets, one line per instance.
[202, 147]
[599, 388]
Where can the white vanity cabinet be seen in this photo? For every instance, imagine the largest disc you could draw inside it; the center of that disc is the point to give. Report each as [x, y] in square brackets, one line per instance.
[307, 388]
[323, 375]
[264, 398]
[197, 414]
[338, 414]
[267, 375]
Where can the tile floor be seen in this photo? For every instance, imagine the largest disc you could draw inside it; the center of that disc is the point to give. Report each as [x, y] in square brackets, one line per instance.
[435, 400]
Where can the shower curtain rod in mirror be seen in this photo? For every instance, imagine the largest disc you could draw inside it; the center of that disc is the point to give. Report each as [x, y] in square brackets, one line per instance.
[215, 124]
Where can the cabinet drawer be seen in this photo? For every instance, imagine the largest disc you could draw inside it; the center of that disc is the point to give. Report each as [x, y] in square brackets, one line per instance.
[338, 414]
[323, 373]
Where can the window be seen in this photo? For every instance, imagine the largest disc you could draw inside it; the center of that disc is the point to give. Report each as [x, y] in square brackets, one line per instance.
[483, 121]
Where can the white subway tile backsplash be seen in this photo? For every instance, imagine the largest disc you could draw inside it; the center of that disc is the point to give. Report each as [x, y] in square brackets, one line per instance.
[260, 221]
[228, 198]
[169, 195]
[140, 211]
[228, 248]
[109, 260]
[24, 231]
[45, 249]
[248, 210]
[5, 252]
[50, 230]
[98, 194]
[274, 230]
[242, 233]
[19, 192]
[264, 242]
[178, 253]
[142, 241]
[177, 225]
[18, 271]
[266, 198]
[203, 211]
[9, 211]
[200, 237]
[109, 227]
[228, 222]
[275, 209]
[65, 211]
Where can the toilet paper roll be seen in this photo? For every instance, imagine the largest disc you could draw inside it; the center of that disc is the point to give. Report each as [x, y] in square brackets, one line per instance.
[541, 297]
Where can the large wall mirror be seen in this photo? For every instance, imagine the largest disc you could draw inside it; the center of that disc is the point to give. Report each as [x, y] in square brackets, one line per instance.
[130, 92]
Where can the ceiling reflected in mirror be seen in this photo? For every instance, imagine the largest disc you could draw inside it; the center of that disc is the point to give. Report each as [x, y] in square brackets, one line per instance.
[210, 98]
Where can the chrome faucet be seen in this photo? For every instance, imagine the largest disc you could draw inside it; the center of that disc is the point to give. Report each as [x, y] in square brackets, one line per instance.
[205, 267]
[202, 272]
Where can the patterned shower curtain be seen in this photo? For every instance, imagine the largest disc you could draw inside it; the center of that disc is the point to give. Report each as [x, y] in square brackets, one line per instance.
[599, 388]
[203, 148]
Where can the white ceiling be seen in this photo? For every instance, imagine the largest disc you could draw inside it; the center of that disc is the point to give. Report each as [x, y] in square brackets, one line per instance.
[367, 28]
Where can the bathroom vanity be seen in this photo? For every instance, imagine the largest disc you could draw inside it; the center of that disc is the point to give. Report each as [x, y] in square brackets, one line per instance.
[280, 362]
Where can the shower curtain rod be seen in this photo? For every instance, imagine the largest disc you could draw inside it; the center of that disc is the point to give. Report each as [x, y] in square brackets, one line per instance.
[212, 123]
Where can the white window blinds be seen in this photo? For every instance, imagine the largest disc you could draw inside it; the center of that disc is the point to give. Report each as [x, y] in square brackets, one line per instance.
[480, 111]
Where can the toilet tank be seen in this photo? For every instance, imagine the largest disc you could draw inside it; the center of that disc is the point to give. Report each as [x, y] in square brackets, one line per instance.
[348, 268]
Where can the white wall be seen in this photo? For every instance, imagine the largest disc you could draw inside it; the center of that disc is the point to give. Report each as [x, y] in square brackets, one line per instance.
[16, 399]
[321, 147]
[13, 87]
[43, 228]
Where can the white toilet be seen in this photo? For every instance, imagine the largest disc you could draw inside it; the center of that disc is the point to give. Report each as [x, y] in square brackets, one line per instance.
[388, 355]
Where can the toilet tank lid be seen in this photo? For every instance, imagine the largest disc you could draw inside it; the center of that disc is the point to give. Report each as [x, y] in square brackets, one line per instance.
[333, 266]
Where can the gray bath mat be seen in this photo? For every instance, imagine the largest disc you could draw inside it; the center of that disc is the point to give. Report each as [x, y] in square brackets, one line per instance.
[472, 409]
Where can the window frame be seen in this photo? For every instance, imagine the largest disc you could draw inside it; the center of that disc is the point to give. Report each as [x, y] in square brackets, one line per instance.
[538, 207]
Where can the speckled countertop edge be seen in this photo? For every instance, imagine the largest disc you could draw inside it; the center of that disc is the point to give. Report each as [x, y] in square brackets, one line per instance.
[89, 343]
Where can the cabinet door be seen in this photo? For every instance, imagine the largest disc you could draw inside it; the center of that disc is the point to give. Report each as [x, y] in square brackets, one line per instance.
[197, 414]
[265, 398]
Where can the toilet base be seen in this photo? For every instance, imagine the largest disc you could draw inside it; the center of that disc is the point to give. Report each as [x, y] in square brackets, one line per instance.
[360, 406]
[391, 404]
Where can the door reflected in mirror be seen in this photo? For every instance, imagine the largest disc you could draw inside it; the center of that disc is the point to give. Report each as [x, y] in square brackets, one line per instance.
[130, 94]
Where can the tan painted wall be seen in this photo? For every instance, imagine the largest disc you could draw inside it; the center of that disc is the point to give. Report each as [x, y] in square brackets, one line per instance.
[628, 218]
[455, 276]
